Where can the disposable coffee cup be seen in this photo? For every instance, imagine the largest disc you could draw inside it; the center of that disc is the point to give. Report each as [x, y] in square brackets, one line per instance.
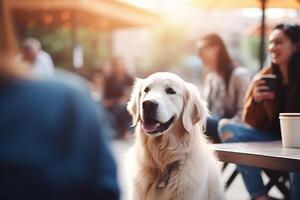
[270, 80]
[290, 129]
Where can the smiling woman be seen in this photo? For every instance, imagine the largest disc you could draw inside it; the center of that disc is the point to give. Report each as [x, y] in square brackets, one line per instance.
[262, 108]
[281, 48]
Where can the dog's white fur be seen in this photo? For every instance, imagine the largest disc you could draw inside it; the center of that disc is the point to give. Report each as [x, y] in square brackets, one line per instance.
[197, 176]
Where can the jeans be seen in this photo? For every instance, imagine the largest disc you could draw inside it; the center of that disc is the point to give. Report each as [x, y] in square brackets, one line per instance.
[295, 186]
[212, 128]
[251, 175]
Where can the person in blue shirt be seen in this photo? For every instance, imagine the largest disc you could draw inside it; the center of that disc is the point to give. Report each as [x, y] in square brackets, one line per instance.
[52, 143]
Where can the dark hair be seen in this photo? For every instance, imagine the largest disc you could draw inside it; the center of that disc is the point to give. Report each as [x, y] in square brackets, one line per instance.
[292, 31]
[225, 64]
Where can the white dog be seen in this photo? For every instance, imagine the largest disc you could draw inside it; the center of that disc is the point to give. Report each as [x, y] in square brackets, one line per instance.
[172, 158]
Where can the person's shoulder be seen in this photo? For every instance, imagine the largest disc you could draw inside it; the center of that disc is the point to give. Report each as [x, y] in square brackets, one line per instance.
[49, 89]
[56, 95]
[70, 79]
[42, 96]
[212, 79]
[43, 53]
[266, 70]
[49, 85]
[44, 56]
[238, 71]
[241, 75]
[211, 75]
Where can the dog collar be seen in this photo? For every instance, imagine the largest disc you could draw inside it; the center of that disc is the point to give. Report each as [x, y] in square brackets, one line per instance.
[164, 179]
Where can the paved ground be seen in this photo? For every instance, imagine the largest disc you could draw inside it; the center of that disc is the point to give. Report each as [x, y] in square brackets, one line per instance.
[236, 191]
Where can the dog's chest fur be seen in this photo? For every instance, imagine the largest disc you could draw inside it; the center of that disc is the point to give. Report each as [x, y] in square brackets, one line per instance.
[195, 178]
[160, 181]
[150, 185]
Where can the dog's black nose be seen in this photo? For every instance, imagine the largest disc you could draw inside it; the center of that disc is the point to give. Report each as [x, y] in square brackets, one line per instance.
[150, 106]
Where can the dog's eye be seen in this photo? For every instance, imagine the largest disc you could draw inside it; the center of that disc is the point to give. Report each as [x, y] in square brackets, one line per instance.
[170, 91]
[147, 89]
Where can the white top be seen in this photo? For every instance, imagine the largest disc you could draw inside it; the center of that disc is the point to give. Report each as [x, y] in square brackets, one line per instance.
[43, 65]
[228, 104]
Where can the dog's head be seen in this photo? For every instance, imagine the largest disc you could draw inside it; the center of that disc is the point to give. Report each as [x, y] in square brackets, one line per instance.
[163, 99]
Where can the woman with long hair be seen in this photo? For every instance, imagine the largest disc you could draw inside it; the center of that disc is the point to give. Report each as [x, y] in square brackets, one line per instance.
[225, 84]
[262, 106]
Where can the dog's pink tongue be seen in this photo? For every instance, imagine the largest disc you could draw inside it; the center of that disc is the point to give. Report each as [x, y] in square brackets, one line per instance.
[150, 127]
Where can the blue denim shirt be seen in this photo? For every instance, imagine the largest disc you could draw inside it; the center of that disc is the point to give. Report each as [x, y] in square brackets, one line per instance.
[52, 144]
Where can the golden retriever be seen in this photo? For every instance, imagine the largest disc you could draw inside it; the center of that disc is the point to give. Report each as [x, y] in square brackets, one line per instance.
[171, 156]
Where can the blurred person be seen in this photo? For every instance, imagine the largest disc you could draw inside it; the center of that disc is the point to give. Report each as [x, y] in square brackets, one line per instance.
[117, 87]
[41, 62]
[224, 86]
[52, 144]
[262, 106]
[94, 80]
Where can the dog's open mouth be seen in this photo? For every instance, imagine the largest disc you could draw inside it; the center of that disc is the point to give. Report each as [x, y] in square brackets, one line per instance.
[153, 126]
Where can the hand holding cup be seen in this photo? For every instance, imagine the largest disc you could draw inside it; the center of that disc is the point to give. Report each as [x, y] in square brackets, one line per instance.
[264, 87]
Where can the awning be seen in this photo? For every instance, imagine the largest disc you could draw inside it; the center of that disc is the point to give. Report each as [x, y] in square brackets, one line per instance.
[231, 4]
[93, 14]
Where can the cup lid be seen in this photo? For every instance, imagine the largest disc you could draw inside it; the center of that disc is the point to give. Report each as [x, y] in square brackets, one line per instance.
[289, 114]
[290, 117]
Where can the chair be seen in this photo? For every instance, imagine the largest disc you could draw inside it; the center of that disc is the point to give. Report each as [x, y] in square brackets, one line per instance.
[277, 179]
[231, 177]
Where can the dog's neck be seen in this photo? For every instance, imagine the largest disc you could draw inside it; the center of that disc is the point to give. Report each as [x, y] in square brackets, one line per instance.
[165, 177]
[159, 152]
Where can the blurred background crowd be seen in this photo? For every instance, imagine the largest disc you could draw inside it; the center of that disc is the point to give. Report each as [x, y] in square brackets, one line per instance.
[100, 46]
[101, 40]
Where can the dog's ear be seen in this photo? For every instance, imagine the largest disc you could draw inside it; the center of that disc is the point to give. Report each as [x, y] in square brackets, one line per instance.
[194, 110]
[133, 104]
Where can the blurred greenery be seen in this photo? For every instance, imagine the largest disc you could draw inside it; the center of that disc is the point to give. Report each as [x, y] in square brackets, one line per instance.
[251, 48]
[254, 46]
[168, 47]
[58, 43]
